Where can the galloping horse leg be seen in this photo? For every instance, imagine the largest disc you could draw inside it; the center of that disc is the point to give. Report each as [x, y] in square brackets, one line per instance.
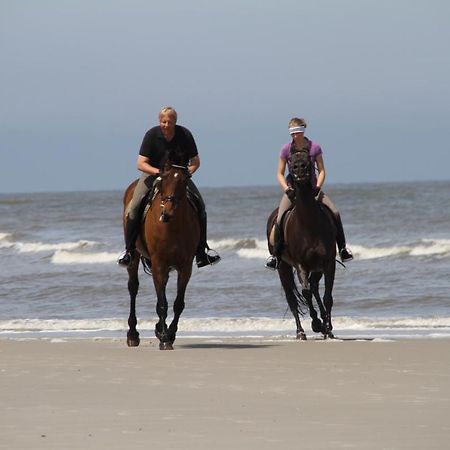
[314, 279]
[316, 324]
[183, 278]
[287, 281]
[133, 287]
[160, 279]
[328, 299]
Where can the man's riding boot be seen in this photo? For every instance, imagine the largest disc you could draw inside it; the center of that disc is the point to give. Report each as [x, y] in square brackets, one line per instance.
[132, 232]
[344, 252]
[202, 257]
[274, 259]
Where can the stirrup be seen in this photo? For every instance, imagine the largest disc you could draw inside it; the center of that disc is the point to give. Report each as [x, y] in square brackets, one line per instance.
[147, 265]
[272, 263]
[345, 254]
[209, 259]
[125, 259]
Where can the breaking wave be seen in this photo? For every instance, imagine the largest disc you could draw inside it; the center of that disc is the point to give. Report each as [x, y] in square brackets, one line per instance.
[80, 252]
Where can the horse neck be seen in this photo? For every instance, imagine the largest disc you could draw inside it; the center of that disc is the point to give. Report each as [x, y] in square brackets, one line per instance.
[307, 210]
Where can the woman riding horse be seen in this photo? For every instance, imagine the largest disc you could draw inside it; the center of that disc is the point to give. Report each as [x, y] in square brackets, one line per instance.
[300, 141]
[310, 249]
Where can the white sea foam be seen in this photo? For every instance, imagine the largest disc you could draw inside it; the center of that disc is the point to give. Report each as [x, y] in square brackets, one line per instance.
[36, 247]
[251, 248]
[432, 247]
[5, 240]
[238, 326]
[426, 247]
[65, 257]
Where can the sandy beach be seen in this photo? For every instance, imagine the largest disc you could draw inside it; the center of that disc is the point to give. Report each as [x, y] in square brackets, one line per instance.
[228, 393]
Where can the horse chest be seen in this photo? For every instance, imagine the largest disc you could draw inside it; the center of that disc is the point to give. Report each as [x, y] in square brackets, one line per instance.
[312, 253]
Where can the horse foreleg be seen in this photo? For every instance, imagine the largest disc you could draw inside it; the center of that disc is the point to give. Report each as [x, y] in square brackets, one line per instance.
[178, 306]
[314, 280]
[160, 280]
[328, 299]
[292, 295]
[133, 287]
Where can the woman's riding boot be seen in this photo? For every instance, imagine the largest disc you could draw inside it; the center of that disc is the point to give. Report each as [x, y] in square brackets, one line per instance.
[202, 257]
[131, 235]
[344, 252]
[274, 259]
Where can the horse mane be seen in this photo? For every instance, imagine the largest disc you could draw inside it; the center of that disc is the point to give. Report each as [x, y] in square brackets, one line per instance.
[174, 158]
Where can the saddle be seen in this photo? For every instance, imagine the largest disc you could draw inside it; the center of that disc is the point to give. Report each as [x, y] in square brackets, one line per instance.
[288, 213]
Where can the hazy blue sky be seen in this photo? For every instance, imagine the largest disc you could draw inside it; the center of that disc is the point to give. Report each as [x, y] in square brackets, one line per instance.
[82, 81]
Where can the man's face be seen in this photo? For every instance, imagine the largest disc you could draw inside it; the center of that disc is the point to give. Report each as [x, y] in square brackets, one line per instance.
[167, 124]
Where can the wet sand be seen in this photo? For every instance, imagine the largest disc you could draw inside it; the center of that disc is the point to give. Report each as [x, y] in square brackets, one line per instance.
[222, 394]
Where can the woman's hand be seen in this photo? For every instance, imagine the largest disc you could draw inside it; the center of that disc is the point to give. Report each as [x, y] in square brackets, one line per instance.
[290, 193]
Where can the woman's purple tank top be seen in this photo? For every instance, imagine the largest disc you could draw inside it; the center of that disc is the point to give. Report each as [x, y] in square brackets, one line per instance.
[314, 151]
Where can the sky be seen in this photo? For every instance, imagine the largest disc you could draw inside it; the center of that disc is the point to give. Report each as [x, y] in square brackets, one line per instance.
[82, 81]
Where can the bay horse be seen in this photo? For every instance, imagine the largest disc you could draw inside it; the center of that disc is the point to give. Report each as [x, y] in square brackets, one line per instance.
[169, 237]
[309, 248]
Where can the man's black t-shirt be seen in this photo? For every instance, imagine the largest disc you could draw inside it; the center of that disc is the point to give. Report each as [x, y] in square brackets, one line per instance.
[182, 147]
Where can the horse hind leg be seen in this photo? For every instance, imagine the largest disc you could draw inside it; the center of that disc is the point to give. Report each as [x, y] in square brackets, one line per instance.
[133, 339]
[328, 301]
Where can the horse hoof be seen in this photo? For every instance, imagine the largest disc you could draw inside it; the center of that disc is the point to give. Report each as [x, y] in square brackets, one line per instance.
[301, 336]
[165, 346]
[133, 342]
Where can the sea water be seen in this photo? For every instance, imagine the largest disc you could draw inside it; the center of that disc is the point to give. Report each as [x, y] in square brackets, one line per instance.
[59, 276]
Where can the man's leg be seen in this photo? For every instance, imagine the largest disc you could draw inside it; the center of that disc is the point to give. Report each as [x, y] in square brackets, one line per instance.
[202, 257]
[133, 223]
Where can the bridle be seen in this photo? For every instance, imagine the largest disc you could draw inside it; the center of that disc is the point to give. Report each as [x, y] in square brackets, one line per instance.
[164, 217]
[300, 169]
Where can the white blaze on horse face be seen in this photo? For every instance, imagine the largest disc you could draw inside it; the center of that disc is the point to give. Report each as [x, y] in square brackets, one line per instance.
[176, 175]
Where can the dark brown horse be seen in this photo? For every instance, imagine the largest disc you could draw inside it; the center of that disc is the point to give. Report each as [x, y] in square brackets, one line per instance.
[169, 238]
[309, 248]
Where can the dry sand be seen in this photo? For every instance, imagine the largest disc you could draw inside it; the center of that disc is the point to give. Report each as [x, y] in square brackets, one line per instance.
[225, 394]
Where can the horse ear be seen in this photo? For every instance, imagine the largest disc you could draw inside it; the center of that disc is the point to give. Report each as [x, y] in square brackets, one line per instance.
[167, 165]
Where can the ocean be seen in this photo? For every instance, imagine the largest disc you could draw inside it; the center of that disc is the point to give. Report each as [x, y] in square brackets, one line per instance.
[59, 277]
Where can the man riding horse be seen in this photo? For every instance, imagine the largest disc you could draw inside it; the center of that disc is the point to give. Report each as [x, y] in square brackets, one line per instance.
[158, 143]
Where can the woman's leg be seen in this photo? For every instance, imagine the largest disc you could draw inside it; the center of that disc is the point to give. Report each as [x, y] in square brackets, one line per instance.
[345, 253]
[276, 236]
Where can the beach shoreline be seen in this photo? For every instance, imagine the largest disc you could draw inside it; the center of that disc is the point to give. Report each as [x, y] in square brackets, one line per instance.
[247, 393]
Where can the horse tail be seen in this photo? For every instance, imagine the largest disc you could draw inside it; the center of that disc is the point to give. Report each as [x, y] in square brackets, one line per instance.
[301, 300]
[296, 300]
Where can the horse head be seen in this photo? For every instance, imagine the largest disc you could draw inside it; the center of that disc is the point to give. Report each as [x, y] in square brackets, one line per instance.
[172, 189]
[300, 167]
